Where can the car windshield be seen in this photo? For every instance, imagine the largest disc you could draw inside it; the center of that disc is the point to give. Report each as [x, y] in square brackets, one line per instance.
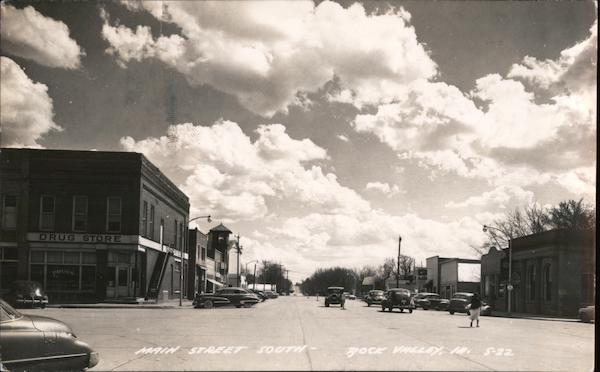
[7, 312]
[335, 290]
[376, 293]
[463, 296]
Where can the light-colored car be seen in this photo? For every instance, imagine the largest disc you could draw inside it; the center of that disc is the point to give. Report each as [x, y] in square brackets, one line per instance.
[588, 314]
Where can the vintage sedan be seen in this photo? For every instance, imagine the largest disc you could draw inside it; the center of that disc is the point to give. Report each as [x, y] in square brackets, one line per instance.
[262, 296]
[334, 296]
[30, 342]
[374, 297]
[237, 297]
[461, 302]
[26, 293]
[398, 298]
[427, 300]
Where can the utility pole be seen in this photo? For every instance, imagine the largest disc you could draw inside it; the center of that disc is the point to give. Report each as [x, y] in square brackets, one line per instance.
[398, 263]
[254, 284]
[239, 251]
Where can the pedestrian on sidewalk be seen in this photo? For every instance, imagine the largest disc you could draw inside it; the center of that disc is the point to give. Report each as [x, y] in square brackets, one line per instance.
[343, 301]
[474, 309]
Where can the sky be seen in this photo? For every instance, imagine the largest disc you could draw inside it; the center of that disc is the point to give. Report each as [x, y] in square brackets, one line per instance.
[320, 132]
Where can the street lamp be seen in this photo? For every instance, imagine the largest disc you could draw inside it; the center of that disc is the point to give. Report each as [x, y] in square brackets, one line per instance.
[509, 287]
[398, 263]
[254, 277]
[186, 240]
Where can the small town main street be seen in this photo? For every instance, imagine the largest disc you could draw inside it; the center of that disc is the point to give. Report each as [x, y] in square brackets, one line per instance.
[299, 333]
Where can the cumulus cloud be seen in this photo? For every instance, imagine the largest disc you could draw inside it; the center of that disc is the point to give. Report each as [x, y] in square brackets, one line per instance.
[384, 188]
[268, 54]
[28, 34]
[499, 131]
[497, 198]
[224, 172]
[26, 113]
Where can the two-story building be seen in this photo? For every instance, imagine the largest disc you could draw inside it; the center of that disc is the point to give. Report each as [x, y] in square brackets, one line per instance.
[209, 271]
[90, 225]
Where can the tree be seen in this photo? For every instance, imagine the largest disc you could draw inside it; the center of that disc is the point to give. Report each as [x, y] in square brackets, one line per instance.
[573, 215]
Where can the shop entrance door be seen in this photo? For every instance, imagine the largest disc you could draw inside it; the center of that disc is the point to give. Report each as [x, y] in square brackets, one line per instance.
[123, 281]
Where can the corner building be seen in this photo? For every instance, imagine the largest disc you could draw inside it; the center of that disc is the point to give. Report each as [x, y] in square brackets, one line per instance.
[90, 225]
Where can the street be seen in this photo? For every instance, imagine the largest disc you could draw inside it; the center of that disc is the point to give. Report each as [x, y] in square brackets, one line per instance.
[299, 333]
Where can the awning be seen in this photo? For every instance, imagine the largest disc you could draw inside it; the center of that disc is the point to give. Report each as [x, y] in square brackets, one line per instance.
[215, 283]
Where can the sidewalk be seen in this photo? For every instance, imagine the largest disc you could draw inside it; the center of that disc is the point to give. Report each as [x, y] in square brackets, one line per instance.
[140, 304]
[533, 317]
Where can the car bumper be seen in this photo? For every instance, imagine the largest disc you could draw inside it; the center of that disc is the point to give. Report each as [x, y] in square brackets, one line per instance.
[32, 301]
[94, 359]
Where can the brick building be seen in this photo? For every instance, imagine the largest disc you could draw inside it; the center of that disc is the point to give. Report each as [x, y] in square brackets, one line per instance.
[90, 225]
[553, 273]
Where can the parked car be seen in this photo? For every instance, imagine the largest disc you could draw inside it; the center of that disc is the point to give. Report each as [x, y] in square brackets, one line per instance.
[398, 298]
[461, 301]
[31, 342]
[334, 296]
[237, 297]
[374, 297]
[349, 296]
[26, 293]
[427, 300]
[588, 314]
[262, 296]
[271, 294]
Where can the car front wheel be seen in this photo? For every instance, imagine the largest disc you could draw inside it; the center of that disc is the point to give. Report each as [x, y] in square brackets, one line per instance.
[208, 304]
[451, 312]
[410, 311]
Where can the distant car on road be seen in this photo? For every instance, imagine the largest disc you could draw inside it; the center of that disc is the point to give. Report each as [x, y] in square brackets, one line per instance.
[349, 296]
[374, 297]
[237, 297]
[334, 296]
[30, 342]
[260, 294]
[26, 293]
[461, 301]
[398, 298]
[427, 300]
[588, 314]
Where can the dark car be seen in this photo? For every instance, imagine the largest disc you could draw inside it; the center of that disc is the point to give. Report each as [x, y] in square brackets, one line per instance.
[30, 342]
[398, 298]
[427, 300]
[237, 297]
[26, 293]
[461, 301]
[334, 296]
[271, 294]
[374, 297]
[262, 296]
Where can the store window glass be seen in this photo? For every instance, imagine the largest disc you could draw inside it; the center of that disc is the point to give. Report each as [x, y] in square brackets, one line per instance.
[37, 273]
[145, 219]
[88, 277]
[37, 257]
[54, 257]
[88, 258]
[547, 283]
[62, 278]
[71, 258]
[151, 223]
[110, 276]
[9, 212]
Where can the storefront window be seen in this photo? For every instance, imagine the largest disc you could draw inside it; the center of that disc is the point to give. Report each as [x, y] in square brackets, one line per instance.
[37, 257]
[88, 277]
[113, 214]
[37, 273]
[62, 278]
[88, 258]
[71, 258]
[54, 257]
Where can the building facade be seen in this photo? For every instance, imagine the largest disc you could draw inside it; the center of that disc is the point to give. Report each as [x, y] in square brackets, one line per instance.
[90, 225]
[447, 276]
[553, 273]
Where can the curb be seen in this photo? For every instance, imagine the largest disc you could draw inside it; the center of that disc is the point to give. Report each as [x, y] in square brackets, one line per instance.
[576, 320]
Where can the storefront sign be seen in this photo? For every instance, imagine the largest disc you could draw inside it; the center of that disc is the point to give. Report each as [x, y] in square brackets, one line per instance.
[81, 238]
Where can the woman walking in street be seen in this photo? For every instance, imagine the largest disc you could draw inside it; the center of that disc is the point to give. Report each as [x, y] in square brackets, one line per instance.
[475, 308]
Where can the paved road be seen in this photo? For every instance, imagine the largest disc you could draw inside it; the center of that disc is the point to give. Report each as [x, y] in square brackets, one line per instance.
[299, 333]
